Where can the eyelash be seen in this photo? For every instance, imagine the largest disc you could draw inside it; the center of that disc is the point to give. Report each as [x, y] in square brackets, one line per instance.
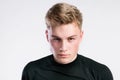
[71, 39]
[56, 39]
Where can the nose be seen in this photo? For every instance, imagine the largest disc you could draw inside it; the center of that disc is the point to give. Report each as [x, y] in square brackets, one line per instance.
[63, 47]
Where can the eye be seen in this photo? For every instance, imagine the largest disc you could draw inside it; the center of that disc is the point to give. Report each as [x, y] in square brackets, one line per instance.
[56, 39]
[70, 39]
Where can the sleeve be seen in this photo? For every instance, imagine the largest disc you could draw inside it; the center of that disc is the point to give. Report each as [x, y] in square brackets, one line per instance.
[105, 74]
[25, 75]
[28, 73]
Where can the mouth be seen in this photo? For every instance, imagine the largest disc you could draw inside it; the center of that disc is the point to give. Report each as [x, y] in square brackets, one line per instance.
[63, 55]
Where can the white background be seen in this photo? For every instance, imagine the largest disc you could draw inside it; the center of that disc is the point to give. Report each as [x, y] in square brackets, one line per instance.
[22, 38]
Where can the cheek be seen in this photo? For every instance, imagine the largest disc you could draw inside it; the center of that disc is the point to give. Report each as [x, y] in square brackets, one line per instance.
[75, 45]
[54, 45]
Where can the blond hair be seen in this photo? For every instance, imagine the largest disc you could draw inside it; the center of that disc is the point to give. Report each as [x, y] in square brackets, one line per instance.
[63, 13]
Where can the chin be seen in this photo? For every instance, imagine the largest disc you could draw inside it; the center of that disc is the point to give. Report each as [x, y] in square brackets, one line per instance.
[64, 61]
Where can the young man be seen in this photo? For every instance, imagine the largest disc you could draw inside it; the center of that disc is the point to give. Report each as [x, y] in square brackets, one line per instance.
[64, 33]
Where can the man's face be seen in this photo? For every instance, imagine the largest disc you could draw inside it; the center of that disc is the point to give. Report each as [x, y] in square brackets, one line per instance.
[64, 42]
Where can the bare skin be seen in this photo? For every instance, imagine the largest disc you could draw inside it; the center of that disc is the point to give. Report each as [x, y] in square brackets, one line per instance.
[64, 42]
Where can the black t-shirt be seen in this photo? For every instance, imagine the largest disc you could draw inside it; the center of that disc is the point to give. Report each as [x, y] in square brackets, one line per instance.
[80, 69]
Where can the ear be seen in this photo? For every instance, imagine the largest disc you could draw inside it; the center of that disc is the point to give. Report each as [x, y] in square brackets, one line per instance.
[81, 35]
[46, 33]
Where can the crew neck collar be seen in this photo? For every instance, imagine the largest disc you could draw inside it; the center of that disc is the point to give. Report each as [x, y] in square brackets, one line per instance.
[59, 64]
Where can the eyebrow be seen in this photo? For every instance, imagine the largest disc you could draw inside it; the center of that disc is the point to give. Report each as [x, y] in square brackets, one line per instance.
[68, 37]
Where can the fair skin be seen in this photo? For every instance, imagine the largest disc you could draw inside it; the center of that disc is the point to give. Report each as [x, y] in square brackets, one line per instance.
[64, 42]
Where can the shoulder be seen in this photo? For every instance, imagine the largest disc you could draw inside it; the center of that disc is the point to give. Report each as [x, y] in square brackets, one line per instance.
[38, 63]
[90, 62]
[34, 67]
[95, 68]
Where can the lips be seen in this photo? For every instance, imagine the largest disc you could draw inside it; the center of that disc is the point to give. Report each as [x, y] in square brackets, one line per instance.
[63, 55]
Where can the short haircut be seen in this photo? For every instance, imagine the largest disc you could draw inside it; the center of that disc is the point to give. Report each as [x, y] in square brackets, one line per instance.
[63, 13]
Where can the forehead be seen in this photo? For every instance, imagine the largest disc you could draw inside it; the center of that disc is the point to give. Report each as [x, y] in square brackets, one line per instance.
[66, 30]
